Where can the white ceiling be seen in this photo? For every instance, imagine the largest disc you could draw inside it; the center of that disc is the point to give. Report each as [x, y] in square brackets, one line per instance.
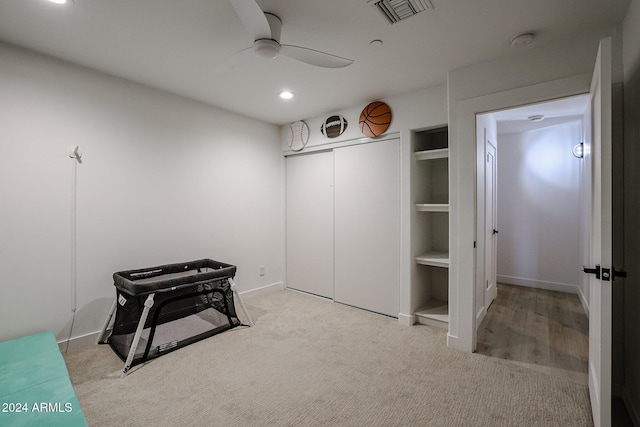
[175, 45]
[555, 112]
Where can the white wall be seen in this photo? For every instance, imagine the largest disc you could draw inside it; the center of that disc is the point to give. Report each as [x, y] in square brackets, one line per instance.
[162, 179]
[421, 109]
[539, 208]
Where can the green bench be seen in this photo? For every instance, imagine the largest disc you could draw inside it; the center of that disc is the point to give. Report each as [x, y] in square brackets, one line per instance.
[35, 389]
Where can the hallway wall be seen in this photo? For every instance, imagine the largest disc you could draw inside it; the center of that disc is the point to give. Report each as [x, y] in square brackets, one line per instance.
[539, 208]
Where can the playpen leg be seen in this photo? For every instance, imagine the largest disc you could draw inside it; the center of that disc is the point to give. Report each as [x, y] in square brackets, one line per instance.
[234, 288]
[136, 338]
[103, 333]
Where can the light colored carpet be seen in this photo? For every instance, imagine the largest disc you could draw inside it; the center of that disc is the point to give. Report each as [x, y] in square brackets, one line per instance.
[311, 362]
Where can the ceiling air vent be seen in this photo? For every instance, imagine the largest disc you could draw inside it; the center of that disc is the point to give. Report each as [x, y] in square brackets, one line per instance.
[397, 10]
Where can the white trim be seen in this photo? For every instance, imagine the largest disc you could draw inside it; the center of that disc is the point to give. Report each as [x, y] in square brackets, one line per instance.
[406, 319]
[452, 341]
[539, 284]
[252, 293]
[551, 286]
[480, 315]
[347, 142]
[79, 342]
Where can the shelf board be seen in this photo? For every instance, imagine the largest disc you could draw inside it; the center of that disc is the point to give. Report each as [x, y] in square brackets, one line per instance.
[434, 313]
[432, 207]
[441, 153]
[435, 259]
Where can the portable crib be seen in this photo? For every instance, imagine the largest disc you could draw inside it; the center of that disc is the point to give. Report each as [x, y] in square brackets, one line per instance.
[160, 309]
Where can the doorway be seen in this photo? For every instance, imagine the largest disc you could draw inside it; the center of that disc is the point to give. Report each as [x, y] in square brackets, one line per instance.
[542, 192]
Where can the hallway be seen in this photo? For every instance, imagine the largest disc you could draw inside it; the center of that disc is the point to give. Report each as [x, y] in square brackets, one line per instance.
[547, 331]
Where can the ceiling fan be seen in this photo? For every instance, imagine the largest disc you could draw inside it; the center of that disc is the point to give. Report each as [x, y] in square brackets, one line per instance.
[265, 28]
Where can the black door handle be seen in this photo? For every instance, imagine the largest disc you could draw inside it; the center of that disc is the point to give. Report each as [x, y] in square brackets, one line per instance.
[495, 231]
[595, 270]
[618, 273]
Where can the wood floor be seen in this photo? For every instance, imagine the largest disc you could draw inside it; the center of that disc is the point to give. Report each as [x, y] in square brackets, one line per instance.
[543, 330]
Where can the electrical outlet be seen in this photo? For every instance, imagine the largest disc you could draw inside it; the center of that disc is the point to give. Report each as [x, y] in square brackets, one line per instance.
[262, 270]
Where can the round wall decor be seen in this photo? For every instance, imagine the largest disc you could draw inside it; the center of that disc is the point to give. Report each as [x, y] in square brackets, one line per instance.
[334, 126]
[375, 119]
[298, 135]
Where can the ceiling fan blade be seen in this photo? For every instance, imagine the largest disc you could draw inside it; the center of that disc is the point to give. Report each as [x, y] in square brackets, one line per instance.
[314, 57]
[238, 58]
[252, 18]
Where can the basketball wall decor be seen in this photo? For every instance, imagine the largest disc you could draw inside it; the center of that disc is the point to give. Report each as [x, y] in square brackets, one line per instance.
[334, 126]
[375, 119]
[298, 135]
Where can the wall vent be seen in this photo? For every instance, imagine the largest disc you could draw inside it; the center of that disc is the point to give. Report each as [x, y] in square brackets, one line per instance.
[397, 10]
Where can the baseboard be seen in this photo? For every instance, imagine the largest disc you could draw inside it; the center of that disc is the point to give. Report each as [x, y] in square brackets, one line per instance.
[539, 284]
[252, 293]
[583, 301]
[79, 342]
[406, 319]
[480, 316]
[550, 286]
[455, 342]
[633, 412]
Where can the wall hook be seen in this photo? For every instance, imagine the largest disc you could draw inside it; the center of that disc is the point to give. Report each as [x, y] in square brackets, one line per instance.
[74, 152]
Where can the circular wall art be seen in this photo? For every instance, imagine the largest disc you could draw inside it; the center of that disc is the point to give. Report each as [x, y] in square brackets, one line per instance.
[375, 119]
[334, 126]
[298, 135]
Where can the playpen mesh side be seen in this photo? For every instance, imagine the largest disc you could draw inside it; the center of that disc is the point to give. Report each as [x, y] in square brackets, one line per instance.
[176, 319]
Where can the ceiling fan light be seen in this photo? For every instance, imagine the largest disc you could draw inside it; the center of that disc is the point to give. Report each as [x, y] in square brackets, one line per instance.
[267, 48]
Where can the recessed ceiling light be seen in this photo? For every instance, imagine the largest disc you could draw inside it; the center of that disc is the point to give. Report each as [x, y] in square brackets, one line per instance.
[58, 1]
[522, 40]
[286, 94]
[376, 43]
[536, 118]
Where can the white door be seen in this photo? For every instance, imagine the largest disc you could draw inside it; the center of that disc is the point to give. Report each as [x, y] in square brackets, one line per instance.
[599, 154]
[491, 227]
[367, 226]
[309, 223]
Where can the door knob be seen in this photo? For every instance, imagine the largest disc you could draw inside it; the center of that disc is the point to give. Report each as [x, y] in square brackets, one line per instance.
[595, 270]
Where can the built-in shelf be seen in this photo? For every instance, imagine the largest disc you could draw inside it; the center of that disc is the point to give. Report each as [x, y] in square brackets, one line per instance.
[430, 222]
[432, 207]
[435, 259]
[434, 313]
[441, 153]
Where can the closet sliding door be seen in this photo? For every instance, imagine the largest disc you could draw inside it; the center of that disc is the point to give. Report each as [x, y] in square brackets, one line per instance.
[367, 226]
[309, 223]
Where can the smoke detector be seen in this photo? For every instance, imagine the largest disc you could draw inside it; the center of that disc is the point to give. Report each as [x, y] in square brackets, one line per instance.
[397, 10]
[522, 40]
